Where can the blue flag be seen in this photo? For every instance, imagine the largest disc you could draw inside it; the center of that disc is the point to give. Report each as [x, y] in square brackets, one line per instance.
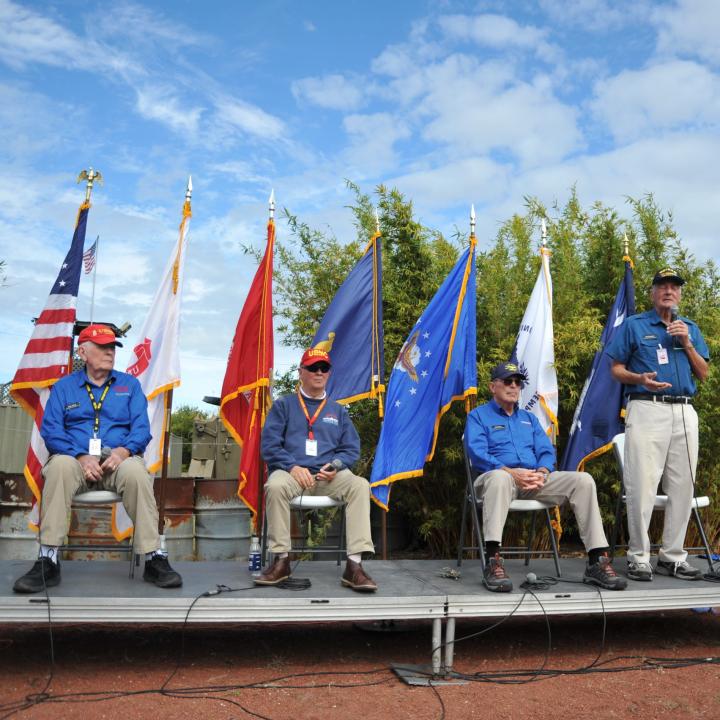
[598, 414]
[351, 331]
[435, 367]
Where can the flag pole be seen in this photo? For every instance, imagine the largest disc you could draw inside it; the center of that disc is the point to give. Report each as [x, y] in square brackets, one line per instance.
[263, 404]
[92, 297]
[168, 418]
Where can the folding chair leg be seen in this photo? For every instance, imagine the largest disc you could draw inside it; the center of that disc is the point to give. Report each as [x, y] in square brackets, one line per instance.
[553, 543]
[706, 544]
[263, 544]
[531, 539]
[616, 524]
[341, 541]
[463, 528]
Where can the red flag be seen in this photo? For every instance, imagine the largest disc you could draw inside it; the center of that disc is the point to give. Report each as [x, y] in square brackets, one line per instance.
[47, 356]
[245, 392]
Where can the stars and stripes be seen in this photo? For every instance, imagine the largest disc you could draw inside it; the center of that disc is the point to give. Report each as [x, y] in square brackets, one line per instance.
[89, 257]
[47, 356]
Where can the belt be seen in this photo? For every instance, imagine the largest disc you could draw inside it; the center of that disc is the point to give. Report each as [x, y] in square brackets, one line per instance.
[672, 399]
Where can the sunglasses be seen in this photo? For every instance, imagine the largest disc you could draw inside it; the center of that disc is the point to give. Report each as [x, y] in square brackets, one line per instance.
[513, 381]
[322, 367]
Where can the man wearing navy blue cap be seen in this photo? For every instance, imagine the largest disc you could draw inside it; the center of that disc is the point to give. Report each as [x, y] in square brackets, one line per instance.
[658, 356]
[515, 459]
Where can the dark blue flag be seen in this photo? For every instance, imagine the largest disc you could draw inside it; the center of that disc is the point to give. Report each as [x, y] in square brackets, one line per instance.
[598, 414]
[435, 367]
[351, 331]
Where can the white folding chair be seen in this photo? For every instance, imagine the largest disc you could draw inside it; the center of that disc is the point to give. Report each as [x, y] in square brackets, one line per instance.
[303, 505]
[473, 505]
[618, 443]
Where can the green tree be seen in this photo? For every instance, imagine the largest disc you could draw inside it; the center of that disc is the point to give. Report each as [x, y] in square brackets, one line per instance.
[586, 266]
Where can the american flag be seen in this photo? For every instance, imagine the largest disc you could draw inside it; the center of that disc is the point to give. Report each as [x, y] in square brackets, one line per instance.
[89, 257]
[47, 356]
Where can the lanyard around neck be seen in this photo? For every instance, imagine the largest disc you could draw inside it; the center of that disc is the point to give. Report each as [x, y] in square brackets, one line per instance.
[97, 404]
[310, 421]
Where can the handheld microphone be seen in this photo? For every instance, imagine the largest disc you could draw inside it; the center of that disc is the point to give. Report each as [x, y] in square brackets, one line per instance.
[673, 313]
[531, 578]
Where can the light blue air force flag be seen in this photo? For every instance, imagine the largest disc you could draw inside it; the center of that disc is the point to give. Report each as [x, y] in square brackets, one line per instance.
[351, 331]
[598, 414]
[435, 366]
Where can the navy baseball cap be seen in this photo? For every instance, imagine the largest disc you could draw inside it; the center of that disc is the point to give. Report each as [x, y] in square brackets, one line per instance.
[668, 274]
[505, 370]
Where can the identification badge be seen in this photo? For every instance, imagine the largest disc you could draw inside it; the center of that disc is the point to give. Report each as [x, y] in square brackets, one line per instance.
[311, 447]
[95, 447]
[662, 355]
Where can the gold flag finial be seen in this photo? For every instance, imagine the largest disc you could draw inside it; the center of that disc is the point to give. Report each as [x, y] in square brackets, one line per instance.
[90, 177]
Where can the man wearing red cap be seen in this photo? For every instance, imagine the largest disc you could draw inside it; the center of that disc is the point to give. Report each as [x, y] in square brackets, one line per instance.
[308, 443]
[96, 428]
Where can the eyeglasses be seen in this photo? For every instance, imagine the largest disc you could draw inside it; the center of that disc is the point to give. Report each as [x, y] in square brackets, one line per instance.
[513, 381]
[322, 367]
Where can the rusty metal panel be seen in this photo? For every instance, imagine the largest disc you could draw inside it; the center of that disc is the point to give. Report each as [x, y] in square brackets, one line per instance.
[15, 429]
[17, 540]
[179, 526]
[222, 522]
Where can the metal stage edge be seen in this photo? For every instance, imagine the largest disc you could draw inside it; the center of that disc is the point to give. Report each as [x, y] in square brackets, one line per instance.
[102, 592]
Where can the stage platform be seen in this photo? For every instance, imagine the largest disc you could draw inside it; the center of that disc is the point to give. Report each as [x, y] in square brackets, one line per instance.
[102, 592]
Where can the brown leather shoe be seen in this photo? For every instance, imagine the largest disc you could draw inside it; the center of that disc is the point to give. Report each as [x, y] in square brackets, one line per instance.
[276, 573]
[356, 578]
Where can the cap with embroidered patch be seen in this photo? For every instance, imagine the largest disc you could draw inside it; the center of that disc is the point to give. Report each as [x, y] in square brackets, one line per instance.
[313, 355]
[98, 334]
[668, 274]
[505, 370]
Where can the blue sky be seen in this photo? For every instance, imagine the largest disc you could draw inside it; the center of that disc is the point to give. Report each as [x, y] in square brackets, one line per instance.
[452, 102]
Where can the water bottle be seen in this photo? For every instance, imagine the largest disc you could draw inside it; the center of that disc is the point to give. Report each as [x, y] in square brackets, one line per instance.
[254, 556]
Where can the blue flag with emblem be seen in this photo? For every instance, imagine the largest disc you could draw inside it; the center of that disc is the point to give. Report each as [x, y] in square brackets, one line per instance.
[598, 416]
[351, 332]
[436, 366]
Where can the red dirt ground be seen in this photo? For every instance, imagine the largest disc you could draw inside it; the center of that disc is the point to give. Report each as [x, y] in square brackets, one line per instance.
[139, 660]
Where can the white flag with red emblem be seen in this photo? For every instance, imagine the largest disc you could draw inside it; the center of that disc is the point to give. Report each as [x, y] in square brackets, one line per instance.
[156, 361]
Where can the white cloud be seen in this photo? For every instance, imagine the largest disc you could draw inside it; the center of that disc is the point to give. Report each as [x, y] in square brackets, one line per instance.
[498, 32]
[597, 15]
[690, 27]
[334, 92]
[162, 104]
[233, 114]
[666, 96]
[372, 138]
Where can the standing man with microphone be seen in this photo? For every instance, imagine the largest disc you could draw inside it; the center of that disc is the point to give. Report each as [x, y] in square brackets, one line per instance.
[658, 356]
[308, 443]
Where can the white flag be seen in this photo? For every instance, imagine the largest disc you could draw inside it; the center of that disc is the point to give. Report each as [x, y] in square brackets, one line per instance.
[535, 352]
[157, 358]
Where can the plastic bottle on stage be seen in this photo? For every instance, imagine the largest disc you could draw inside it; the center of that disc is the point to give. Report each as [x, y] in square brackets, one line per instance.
[254, 565]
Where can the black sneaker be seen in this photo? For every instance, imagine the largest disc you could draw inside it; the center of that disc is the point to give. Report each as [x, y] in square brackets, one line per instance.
[682, 570]
[495, 578]
[159, 572]
[603, 575]
[44, 573]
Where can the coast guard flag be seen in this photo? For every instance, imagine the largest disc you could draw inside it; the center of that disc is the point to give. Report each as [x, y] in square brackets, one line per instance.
[597, 416]
[435, 367]
[534, 352]
[156, 359]
[47, 356]
[351, 331]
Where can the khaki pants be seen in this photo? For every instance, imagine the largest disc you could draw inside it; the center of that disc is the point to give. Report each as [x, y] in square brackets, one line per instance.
[281, 488]
[64, 479]
[661, 442]
[498, 490]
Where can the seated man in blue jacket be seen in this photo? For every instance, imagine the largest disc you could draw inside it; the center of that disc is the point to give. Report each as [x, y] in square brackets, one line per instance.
[516, 459]
[308, 443]
[96, 428]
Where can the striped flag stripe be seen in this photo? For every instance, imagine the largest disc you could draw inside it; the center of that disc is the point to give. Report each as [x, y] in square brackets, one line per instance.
[49, 344]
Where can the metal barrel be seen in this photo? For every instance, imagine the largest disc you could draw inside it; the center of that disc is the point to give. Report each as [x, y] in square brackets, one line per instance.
[91, 525]
[222, 522]
[17, 540]
[179, 527]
